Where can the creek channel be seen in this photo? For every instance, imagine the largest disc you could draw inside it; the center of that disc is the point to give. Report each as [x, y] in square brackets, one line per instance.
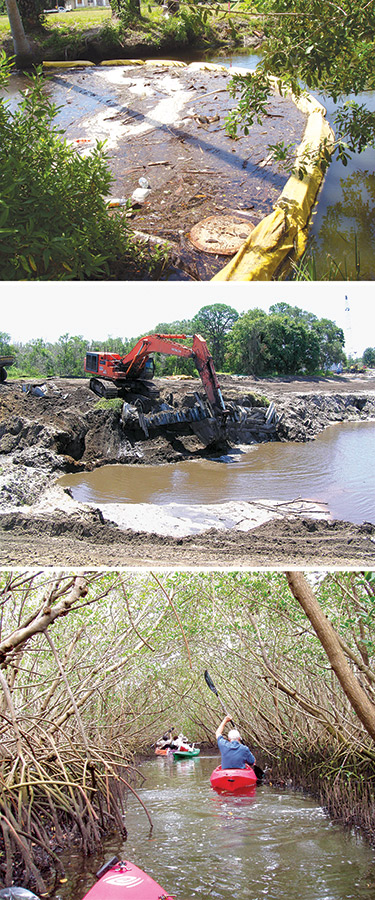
[334, 469]
[271, 844]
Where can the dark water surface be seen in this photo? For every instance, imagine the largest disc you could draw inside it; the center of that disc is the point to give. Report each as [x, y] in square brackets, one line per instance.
[206, 846]
[346, 209]
[337, 468]
[345, 212]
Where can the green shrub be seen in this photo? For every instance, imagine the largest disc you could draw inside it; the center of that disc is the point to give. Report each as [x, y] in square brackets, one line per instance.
[54, 221]
[115, 403]
[187, 27]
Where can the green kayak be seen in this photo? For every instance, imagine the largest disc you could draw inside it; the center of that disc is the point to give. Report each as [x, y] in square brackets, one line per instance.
[186, 754]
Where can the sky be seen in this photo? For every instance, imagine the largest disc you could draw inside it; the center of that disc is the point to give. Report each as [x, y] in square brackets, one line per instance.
[98, 310]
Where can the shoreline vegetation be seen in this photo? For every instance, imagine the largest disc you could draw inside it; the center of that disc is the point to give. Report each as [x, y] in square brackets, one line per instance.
[96, 35]
[335, 59]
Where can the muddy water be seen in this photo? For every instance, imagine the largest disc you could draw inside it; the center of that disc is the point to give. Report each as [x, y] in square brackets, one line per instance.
[335, 469]
[203, 845]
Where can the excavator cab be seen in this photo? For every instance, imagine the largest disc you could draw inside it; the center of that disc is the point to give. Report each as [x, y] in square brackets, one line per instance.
[149, 369]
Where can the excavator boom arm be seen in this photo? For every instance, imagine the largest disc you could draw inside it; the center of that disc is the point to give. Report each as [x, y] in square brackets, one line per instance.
[131, 366]
[204, 363]
[154, 343]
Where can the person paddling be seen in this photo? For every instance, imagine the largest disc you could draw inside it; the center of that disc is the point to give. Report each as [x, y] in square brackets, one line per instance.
[234, 755]
[167, 740]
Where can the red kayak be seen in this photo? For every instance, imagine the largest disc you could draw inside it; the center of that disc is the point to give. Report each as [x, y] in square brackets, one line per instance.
[233, 779]
[118, 879]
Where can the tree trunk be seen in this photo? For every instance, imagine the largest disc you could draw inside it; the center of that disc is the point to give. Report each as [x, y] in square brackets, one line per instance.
[22, 47]
[357, 697]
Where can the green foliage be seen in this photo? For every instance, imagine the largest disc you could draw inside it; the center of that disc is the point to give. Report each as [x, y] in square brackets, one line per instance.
[330, 336]
[54, 222]
[70, 355]
[188, 26]
[5, 68]
[321, 45]
[254, 93]
[115, 403]
[324, 47]
[214, 322]
[173, 365]
[355, 128]
[38, 360]
[126, 10]
[179, 326]
[286, 341]
[368, 357]
[6, 348]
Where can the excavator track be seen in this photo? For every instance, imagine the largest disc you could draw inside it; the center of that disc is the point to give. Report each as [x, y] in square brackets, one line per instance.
[144, 388]
[103, 389]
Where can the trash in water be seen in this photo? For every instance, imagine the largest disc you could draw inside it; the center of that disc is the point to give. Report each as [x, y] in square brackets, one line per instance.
[114, 202]
[140, 193]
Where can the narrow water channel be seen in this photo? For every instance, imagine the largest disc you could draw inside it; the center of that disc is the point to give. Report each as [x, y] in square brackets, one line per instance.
[334, 469]
[205, 846]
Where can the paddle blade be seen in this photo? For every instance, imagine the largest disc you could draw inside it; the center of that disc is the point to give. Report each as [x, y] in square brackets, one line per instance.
[210, 683]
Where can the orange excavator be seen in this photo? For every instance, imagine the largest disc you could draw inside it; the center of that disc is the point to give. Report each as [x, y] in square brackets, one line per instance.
[136, 368]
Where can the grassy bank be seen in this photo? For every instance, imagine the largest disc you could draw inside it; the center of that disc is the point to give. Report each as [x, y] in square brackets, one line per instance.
[94, 34]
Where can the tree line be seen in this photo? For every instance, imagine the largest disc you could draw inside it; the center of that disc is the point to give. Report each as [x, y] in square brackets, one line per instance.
[285, 341]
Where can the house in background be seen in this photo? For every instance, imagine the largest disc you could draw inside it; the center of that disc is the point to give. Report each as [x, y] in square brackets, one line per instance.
[76, 4]
[80, 4]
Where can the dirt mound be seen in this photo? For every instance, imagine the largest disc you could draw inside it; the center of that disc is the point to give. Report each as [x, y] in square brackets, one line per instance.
[84, 539]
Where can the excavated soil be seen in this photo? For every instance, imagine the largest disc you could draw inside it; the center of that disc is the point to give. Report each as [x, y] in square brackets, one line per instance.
[42, 437]
[167, 125]
[56, 540]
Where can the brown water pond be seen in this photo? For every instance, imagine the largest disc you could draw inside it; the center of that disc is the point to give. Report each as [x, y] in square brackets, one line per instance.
[336, 469]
